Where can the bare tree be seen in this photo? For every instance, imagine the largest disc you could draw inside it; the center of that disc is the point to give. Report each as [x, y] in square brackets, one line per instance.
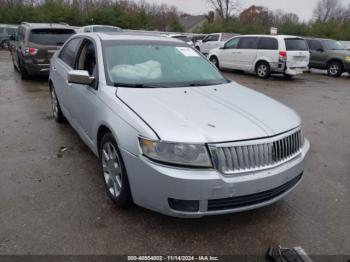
[225, 8]
[327, 10]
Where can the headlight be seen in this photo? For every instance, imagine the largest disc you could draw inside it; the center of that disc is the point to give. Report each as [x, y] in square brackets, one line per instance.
[194, 155]
[347, 59]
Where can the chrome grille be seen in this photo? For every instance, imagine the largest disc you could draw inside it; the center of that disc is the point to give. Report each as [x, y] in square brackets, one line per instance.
[249, 156]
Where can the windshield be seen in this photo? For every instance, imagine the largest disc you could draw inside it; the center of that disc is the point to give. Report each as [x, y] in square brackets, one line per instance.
[106, 29]
[157, 63]
[182, 37]
[50, 36]
[332, 45]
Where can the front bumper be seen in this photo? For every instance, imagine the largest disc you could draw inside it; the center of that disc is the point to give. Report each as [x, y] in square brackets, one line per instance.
[152, 185]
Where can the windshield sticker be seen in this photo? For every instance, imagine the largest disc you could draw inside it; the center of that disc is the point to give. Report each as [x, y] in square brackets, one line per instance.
[187, 51]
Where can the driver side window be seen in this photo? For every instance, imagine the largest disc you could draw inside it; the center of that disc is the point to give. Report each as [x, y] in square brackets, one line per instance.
[87, 60]
[232, 44]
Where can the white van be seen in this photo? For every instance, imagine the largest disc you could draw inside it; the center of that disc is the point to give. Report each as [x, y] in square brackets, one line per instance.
[263, 54]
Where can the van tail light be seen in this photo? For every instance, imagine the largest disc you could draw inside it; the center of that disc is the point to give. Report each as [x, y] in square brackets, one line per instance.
[31, 51]
[283, 54]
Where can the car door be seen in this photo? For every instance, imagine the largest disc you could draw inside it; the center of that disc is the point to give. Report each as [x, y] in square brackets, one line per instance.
[85, 104]
[60, 67]
[246, 52]
[318, 56]
[227, 55]
[209, 43]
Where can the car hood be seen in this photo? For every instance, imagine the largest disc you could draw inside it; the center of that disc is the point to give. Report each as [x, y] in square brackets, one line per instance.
[209, 114]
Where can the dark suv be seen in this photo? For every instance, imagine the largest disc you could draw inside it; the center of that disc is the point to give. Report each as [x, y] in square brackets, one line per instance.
[330, 55]
[34, 45]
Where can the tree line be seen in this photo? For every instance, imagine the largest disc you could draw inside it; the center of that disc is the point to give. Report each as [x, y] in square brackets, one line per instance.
[122, 13]
[331, 19]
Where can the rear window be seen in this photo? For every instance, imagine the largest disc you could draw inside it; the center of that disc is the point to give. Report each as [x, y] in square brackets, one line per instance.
[50, 36]
[106, 29]
[182, 38]
[268, 43]
[296, 44]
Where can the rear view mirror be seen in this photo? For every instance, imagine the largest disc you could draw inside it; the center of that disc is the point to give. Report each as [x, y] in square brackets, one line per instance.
[80, 77]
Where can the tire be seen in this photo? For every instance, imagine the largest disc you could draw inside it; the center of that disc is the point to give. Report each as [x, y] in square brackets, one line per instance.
[215, 61]
[23, 71]
[5, 44]
[335, 68]
[114, 173]
[263, 70]
[288, 76]
[56, 108]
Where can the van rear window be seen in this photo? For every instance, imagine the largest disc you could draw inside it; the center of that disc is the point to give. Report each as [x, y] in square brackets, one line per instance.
[50, 36]
[296, 44]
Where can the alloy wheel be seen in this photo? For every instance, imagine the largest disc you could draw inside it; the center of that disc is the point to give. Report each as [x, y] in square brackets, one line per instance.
[112, 170]
[334, 69]
[262, 70]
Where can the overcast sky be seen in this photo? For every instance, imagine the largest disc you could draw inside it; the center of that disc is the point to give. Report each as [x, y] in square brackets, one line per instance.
[301, 7]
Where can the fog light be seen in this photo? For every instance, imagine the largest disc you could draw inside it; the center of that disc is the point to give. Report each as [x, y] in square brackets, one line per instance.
[184, 205]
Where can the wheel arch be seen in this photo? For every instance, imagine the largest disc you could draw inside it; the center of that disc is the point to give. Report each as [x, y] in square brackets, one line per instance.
[102, 130]
[261, 60]
[334, 59]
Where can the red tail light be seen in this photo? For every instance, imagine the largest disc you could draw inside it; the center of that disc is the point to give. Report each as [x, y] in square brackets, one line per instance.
[30, 51]
[283, 54]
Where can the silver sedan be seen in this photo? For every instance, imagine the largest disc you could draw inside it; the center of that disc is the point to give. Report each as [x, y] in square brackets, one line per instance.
[171, 133]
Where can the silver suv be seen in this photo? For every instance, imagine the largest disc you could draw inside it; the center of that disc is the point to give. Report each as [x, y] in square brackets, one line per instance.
[171, 133]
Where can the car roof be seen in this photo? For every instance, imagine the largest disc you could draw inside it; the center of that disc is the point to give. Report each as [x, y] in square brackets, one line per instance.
[275, 36]
[105, 36]
[46, 25]
[316, 38]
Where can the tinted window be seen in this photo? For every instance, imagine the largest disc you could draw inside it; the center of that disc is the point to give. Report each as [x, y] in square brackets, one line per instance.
[69, 51]
[232, 44]
[50, 36]
[106, 29]
[213, 38]
[315, 45]
[248, 43]
[11, 31]
[296, 44]
[268, 43]
[182, 38]
[332, 45]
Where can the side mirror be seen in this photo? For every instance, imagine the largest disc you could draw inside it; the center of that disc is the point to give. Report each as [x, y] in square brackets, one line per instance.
[80, 77]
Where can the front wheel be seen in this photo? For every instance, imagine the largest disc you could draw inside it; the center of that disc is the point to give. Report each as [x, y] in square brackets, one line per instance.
[335, 69]
[263, 70]
[215, 61]
[114, 172]
[56, 109]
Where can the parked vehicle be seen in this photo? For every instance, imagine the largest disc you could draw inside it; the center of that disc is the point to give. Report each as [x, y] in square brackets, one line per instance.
[263, 54]
[99, 28]
[6, 31]
[171, 133]
[34, 46]
[197, 37]
[181, 37]
[212, 41]
[330, 55]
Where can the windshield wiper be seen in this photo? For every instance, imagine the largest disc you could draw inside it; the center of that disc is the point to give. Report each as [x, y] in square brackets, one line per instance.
[137, 85]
